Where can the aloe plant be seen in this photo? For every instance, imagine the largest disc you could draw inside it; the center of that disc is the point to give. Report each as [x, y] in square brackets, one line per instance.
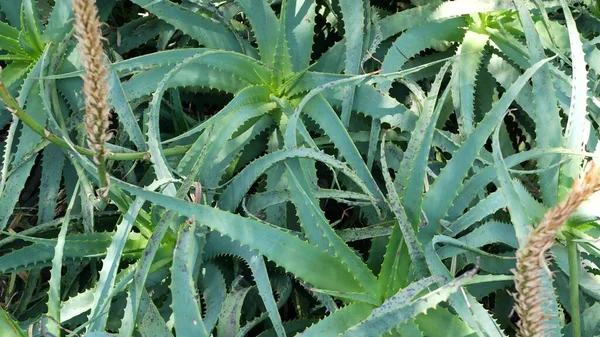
[296, 167]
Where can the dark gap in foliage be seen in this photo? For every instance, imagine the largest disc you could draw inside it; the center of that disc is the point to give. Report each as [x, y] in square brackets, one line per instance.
[324, 175]
[361, 246]
[106, 223]
[396, 6]
[392, 173]
[256, 148]
[497, 248]
[443, 155]
[530, 185]
[28, 199]
[334, 210]
[491, 188]
[489, 301]
[203, 104]
[514, 131]
[451, 124]
[401, 93]
[327, 36]
[488, 145]
[4, 130]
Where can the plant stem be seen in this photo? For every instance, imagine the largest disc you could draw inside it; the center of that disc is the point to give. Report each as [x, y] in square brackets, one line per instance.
[24, 117]
[103, 177]
[531, 263]
[573, 256]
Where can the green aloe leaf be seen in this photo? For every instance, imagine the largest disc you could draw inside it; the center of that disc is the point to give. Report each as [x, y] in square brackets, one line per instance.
[577, 126]
[317, 267]
[9, 327]
[195, 25]
[436, 202]
[186, 310]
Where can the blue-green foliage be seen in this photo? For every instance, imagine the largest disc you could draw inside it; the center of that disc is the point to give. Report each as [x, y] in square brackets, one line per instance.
[296, 167]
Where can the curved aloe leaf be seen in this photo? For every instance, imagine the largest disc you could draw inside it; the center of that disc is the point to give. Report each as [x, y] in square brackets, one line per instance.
[186, 310]
[221, 245]
[319, 231]
[265, 26]
[8, 326]
[56, 271]
[299, 31]
[110, 265]
[280, 246]
[339, 321]
[547, 120]
[195, 25]
[578, 126]
[437, 201]
[418, 39]
[239, 186]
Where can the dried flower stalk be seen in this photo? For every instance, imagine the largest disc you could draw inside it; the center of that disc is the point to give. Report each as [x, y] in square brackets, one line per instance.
[531, 259]
[95, 85]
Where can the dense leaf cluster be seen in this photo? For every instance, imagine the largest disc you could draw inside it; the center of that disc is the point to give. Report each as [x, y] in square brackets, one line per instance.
[307, 168]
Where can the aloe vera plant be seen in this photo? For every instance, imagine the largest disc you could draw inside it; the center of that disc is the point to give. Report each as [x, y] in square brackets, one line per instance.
[296, 167]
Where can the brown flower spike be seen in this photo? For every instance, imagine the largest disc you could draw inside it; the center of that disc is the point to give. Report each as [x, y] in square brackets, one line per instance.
[531, 259]
[95, 85]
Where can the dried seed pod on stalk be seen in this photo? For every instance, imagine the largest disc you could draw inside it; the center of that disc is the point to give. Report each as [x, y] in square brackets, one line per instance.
[95, 85]
[531, 257]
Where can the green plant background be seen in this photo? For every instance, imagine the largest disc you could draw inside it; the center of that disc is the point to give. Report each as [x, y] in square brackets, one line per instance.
[297, 168]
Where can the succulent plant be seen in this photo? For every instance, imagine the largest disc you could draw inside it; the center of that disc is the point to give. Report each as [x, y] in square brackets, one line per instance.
[298, 168]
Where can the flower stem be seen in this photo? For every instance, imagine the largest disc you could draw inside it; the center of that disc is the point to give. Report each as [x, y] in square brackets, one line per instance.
[573, 256]
[531, 264]
[23, 116]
